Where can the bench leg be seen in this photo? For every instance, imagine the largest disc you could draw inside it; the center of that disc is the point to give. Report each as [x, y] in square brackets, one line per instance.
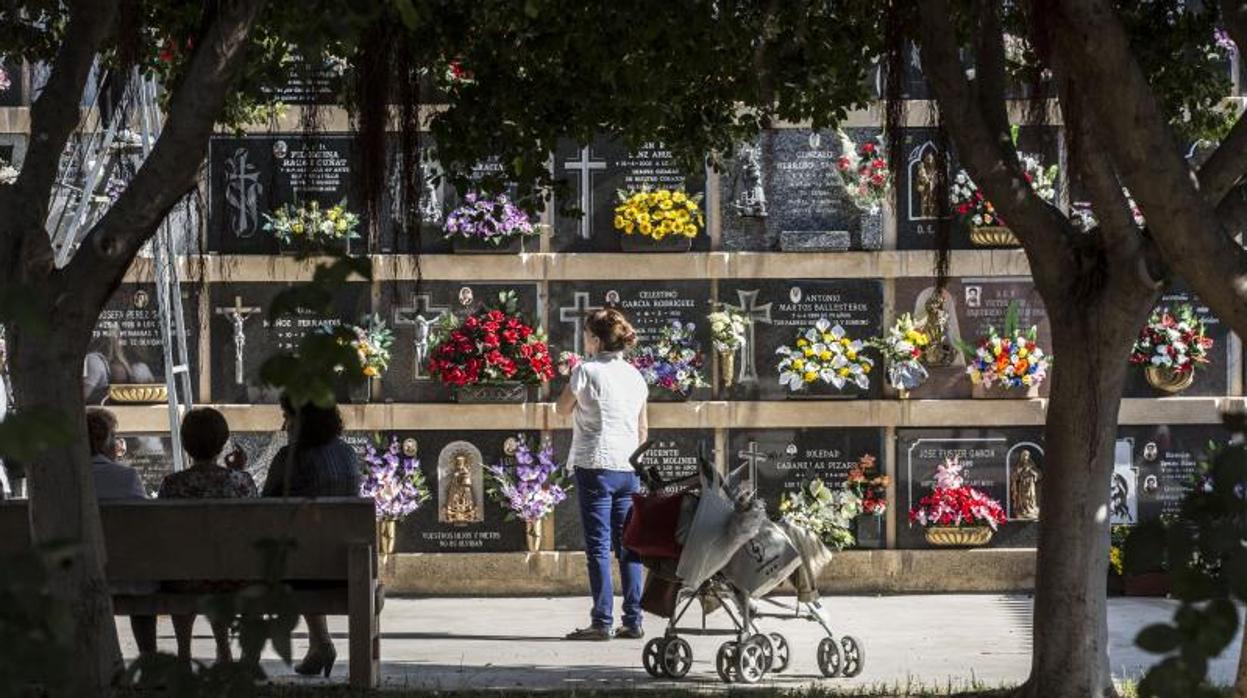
[365, 666]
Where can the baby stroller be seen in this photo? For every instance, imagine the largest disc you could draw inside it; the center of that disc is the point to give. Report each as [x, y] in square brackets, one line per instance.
[707, 540]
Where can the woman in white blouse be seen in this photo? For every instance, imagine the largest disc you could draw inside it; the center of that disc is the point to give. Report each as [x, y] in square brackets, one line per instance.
[606, 398]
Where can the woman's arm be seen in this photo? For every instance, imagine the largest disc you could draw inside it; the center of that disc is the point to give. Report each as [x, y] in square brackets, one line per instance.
[567, 401]
[642, 424]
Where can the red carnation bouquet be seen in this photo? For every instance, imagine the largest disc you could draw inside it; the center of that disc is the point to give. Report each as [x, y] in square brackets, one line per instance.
[492, 345]
[1175, 340]
[954, 503]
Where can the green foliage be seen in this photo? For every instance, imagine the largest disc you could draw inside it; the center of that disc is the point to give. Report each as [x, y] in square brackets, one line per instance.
[1203, 550]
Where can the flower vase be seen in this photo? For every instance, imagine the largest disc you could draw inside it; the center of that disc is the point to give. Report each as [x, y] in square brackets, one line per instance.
[1168, 380]
[993, 236]
[360, 393]
[644, 243]
[902, 394]
[727, 367]
[999, 392]
[533, 536]
[958, 536]
[386, 536]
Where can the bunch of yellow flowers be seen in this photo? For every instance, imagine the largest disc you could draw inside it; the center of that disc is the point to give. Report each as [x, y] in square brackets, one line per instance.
[659, 213]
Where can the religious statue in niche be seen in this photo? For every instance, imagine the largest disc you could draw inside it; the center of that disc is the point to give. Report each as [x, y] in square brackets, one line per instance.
[940, 324]
[923, 191]
[749, 196]
[1024, 488]
[460, 486]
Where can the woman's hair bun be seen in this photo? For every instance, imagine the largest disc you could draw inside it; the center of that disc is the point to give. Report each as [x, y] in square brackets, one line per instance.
[611, 328]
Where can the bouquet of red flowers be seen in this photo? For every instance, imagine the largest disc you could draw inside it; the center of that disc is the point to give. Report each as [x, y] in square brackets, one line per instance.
[953, 503]
[1175, 340]
[492, 345]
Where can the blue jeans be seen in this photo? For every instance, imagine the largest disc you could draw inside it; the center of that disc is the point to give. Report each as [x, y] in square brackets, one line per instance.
[605, 500]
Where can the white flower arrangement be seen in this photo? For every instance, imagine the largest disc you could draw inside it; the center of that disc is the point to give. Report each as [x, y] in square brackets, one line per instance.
[727, 330]
[824, 353]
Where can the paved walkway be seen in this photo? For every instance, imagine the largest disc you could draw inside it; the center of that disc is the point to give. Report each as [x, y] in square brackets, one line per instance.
[513, 643]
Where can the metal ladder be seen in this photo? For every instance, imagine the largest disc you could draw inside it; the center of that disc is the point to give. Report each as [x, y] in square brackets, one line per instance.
[84, 171]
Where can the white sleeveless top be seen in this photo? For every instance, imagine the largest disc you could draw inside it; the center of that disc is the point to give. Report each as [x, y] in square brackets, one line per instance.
[610, 395]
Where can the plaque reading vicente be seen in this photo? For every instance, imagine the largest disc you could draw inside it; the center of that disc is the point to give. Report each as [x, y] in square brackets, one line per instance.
[243, 336]
[594, 173]
[786, 460]
[1004, 463]
[674, 453]
[250, 176]
[780, 310]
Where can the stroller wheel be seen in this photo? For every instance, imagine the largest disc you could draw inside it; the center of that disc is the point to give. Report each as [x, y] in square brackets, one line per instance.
[829, 658]
[725, 662]
[854, 656]
[768, 651]
[651, 657]
[751, 660]
[779, 653]
[677, 657]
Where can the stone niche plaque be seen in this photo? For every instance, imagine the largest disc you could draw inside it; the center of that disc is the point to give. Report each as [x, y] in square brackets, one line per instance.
[649, 305]
[674, 453]
[784, 192]
[459, 517]
[783, 308]
[1155, 467]
[127, 347]
[594, 173]
[151, 455]
[785, 460]
[250, 176]
[242, 337]
[309, 82]
[918, 205]
[1212, 378]
[972, 305]
[412, 309]
[1000, 462]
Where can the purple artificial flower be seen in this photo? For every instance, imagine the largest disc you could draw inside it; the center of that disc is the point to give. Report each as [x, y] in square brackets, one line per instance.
[495, 220]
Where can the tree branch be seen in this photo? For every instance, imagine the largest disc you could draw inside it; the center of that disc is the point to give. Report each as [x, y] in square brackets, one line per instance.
[1136, 132]
[172, 167]
[53, 118]
[1226, 164]
[989, 70]
[993, 165]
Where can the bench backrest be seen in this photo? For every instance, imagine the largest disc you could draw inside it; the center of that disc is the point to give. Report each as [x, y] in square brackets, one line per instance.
[217, 539]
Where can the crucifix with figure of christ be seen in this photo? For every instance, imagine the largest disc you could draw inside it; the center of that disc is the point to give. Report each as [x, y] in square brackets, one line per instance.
[420, 315]
[238, 314]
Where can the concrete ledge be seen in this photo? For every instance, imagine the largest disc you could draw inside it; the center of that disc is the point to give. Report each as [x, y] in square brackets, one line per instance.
[984, 570]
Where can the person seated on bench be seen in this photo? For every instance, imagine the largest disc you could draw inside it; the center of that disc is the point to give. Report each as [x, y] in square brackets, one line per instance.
[324, 466]
[204, 434]
[115, 481]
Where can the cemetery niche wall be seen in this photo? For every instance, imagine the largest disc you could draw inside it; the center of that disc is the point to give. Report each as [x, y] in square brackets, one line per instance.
[785, 243]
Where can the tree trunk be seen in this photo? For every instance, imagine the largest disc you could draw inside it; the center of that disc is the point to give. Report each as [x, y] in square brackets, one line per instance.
[1091, 343]
[46, 370]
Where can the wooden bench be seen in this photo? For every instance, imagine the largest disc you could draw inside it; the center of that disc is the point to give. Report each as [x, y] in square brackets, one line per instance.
[334, 543]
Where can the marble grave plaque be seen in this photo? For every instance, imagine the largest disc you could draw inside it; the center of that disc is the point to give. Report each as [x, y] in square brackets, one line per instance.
[127, 346]
[243, 337]
[992, 459]
[1212, 378]
[594, 173]
[1155, 467]
[782, 309]
[785, 460]
[803, 205]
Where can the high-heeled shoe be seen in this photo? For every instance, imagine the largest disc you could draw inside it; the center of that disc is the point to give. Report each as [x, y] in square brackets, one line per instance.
[317, 662]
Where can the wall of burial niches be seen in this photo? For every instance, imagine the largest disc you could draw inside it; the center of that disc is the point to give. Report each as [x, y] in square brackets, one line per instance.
[784, 244]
